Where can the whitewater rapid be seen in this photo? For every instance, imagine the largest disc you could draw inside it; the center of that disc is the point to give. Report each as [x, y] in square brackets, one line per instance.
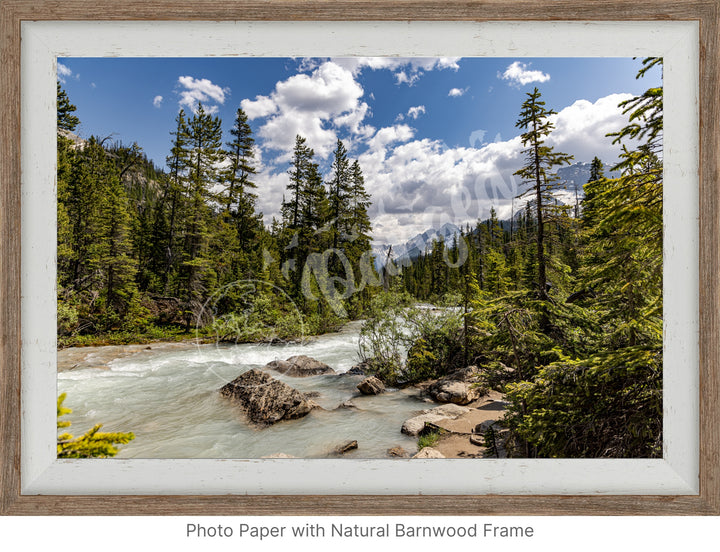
[168, 397]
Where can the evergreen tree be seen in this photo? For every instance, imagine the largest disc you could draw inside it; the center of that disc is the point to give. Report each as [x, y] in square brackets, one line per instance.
[240, 199]
[115, 246]
[540, 160]
[300, 164]
[357, 248]
[340, 192]
[314, 207]
[65, 119]
[240, 155]
[172, 208]
[204, 155]
[302, 214]
[597, 172]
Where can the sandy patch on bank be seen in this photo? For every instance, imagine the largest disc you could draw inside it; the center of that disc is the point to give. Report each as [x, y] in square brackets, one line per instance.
[456, 442]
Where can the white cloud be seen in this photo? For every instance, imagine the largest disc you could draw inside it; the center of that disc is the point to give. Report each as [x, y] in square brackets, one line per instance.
[416, 111]
[63, 72]
[270, 189]
[409, 79]
[314, 106]
[406, 70]
[157, 101]
[415, 183]
[457, 92]
[201, 90]
[353, 119]
[518, 74]
[388, 135]
[581, 128]
[413, 64]
[261, 106]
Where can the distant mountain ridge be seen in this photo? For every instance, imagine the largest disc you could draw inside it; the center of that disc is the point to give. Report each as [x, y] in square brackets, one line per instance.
[403, 254]
[575, 176]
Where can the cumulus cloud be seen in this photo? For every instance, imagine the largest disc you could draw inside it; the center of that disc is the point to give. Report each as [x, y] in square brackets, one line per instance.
[261, 106]
[406, 70]
[416, 111]
[314, 106]
[518, 74]
[412, 64]
[63, 72]
[407, 78]
[457, 92]
[194, 90]
[581, 128]
[388, 135]
[271, 187]
[415, 183]
[157, 101]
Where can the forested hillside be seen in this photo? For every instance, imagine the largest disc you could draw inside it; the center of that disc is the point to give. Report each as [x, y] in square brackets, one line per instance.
[145, 252]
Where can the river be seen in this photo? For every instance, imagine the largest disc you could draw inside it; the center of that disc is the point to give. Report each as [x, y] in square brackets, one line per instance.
[167, 395]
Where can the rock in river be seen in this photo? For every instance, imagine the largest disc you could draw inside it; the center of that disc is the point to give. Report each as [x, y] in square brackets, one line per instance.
[300, 366]
[398, 452]
[458, 387]
[266, 400]
[371, 386]
[358, 369]
[429, 452]
[415, 425]
[347, 447]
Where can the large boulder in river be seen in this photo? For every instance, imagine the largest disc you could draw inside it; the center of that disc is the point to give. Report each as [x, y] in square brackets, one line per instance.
[266, 400]
[371, 386]
[415, 425]
[458, 387]
[300, 366]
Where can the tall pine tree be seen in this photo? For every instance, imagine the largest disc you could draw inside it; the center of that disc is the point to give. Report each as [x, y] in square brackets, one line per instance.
[204, 155]
[538, 171]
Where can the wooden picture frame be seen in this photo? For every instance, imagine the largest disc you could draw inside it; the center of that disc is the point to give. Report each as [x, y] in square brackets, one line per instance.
[13, 12]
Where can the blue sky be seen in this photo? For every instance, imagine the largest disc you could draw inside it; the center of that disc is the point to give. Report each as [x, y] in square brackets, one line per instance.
[435, 137]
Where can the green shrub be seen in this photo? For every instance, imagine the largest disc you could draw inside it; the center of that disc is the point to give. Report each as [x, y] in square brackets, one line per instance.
[429, 439]
[383, 336]
[92, 444]
[609, 405]
[403, 344]
[67, 318]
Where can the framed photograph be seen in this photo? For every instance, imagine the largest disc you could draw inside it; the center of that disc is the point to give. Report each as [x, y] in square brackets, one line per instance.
[405, 258]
